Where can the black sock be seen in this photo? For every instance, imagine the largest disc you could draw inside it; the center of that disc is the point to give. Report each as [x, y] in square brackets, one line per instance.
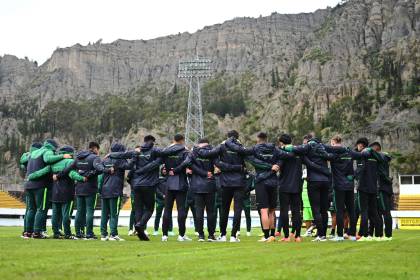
[266, 233]
[272, 232]
[333, 231]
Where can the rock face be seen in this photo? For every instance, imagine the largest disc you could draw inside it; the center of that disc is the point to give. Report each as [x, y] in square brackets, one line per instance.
[316, 59]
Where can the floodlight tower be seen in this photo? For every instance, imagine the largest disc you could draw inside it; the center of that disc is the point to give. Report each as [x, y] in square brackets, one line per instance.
[193, 71]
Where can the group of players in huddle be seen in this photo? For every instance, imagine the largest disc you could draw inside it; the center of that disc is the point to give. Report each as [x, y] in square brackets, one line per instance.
[56, 177]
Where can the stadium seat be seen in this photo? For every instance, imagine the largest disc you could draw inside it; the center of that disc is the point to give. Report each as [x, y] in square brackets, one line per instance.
[409, 202]
[8, 201]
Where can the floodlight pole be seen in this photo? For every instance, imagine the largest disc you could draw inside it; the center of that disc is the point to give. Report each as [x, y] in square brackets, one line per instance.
[194, 71]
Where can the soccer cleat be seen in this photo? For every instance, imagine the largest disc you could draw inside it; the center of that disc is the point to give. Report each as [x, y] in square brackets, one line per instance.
[91, 237]
[298, 239]
[263, 239]
[44, 233]
[201, 239]
[130, 232]
[155, 233]
[234, 239]
[171, 233]
[387, 238]
[164, 238]
[186, 238]
[196, 234]
[115, 238]
[39, 236]
[365, 239]
[70, 237]
[323, 239]
[378, 239]
[104, 238]
[56, 236]
[337, 239]
[352, 238]
[27, 235]
[278, 233]
[271, 239]
[248, 233]
[211, 238]
[221, 238]
[346, 236]
[180, 239]
[141, 234]
[285, 239]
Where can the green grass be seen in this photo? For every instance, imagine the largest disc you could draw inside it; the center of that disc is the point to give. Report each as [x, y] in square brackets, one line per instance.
[66, 259]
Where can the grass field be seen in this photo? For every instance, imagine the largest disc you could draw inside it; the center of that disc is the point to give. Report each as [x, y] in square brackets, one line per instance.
[67, 259]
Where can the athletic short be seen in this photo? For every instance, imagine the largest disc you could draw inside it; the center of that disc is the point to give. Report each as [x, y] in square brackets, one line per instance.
[307, 214]
[266, 196]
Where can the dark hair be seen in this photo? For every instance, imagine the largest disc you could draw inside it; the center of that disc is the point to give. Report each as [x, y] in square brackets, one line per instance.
[67, 149]
[149, 138]
[93, 145]
[337, 138]
[233, 133]
[262, 135]
[52, 142]
[308, 136]
[285, 139]
[363, 140]
[376, 144]
[37, 145]
[179, 137]
[203, 140]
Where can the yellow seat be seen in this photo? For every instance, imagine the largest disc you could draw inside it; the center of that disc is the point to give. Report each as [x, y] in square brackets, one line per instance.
[8, 201]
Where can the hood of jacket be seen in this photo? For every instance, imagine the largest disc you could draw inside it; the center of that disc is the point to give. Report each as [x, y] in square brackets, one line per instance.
[174, 148]
[265, 148]
[50, 144]
[83, 154]
[117, 147]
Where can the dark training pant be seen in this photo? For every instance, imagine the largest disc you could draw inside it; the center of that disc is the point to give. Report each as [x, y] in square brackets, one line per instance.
[110, 211]
[237, 195]
[385, 206]
[247, 211]
[292, 201]
[345, 200]
[84, 215]
[144, 204]
[205, 201]
[318, 197]
[160, 204]
[36, 206]
[190, 205]
[132, 212]
[171, 197]
[368, 207]
[61, 215]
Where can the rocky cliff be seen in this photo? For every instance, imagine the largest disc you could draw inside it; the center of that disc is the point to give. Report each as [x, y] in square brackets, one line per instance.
[350, 69]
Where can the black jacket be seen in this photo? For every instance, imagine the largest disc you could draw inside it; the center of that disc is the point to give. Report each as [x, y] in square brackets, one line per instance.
[113, 184]
[88, 165]
[146, 167]
[368, 171]
[341, 168]
[385, 181]
[316, 153]
[290, 180]
[200, 183]
[230, 163]
[174, 159]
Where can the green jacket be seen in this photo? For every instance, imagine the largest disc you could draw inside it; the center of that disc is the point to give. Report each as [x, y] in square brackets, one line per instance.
[39, 169]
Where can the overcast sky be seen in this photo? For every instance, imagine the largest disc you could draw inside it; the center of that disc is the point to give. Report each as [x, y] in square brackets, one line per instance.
[35, 28]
